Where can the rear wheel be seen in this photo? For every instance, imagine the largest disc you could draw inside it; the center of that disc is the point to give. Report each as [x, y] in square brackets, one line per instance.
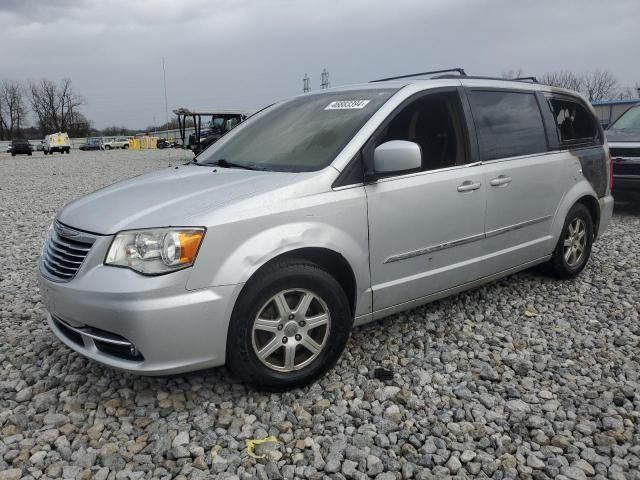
[125, 147]
[574, 246]
[290, 324]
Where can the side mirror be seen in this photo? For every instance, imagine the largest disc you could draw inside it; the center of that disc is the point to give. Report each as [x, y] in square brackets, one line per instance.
[396, 156]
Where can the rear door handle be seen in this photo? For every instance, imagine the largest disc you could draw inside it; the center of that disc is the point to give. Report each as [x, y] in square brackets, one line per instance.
[469, 186]
[499, 181]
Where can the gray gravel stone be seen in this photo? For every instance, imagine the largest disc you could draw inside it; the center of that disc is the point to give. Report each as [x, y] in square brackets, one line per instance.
[480, 388]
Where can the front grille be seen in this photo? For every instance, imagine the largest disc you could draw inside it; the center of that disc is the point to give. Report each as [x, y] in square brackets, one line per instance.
[626, 168]
[624, 152]
[64, 252]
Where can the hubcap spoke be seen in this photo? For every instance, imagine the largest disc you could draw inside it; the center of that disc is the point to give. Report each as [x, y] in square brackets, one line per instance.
[290, 356]
[317, 321]
[567, 254]
[283, 307]
[310, 344]
[270, 347]
[568, 242]
[266, 325]
[304, 303]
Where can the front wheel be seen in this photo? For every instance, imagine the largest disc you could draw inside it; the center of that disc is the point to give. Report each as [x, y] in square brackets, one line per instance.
[574, 246]
[290, 325]
[125, 147]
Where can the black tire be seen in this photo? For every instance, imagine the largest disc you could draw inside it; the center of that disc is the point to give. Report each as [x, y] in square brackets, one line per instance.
[30, 153]
[277, 277]
[13, 154]
[125, 147]
[558, 266]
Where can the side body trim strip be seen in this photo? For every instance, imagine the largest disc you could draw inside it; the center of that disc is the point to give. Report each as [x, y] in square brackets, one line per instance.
[465, 240]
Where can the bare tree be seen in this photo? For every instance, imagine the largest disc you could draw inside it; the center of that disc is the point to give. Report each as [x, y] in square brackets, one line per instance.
[600, 85]
[12, 108]
[55, 106]
[563, 79]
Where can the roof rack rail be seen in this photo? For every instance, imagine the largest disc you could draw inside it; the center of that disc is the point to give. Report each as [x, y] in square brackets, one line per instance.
[525, 79]
[460, 71]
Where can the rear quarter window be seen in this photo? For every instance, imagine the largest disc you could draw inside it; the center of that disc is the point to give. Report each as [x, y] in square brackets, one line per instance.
[575, 125]
[508, 124]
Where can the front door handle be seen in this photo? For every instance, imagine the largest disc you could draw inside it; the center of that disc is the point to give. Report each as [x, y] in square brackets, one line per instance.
[469, 186]
[499, 181]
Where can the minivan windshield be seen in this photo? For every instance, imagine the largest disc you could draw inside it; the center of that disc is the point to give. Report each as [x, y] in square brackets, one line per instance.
[299, 135]
[629, 120]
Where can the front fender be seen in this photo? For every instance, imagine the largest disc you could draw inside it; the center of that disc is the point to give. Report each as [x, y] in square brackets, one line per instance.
[232, 253]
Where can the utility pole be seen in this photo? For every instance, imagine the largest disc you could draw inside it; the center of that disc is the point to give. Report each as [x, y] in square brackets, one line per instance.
[324, 76]
[166, 104]
[305, 83]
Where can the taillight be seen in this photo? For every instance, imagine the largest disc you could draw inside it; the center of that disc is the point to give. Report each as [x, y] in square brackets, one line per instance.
[610, 173]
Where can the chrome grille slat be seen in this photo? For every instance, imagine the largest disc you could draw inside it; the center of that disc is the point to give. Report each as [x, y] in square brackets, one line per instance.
[62, 244]
[61, 266]
[60, 258]
[64, 252]
[54, 269]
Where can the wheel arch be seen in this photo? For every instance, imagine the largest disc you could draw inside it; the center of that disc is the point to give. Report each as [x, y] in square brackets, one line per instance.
[331, 261]
[594, 209]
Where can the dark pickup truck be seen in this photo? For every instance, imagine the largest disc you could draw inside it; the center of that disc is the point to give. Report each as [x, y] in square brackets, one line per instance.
[624, 144]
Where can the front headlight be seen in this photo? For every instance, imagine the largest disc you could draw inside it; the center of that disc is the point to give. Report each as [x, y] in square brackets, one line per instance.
[156, 251]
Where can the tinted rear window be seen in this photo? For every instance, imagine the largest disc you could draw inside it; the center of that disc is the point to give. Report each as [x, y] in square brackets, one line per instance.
[509, 124]
[575, 125]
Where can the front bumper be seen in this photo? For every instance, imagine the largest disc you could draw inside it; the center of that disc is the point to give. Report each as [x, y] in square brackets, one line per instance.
[170, 328]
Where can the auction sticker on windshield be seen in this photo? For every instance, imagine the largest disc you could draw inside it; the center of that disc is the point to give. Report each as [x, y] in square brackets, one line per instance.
[347, 105]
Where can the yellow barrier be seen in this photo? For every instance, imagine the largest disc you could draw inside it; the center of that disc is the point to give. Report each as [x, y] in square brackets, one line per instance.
[143, 143]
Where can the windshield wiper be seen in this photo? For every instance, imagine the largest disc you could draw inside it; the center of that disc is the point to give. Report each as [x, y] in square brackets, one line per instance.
[226, 164]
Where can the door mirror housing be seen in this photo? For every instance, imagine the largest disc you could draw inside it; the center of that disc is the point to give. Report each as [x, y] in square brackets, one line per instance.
[396, 156]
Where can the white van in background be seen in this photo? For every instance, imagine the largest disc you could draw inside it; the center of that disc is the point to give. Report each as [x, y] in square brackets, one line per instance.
[56, 142]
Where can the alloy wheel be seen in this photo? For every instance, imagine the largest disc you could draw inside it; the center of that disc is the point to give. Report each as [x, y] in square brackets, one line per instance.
[575, 242]
[291, 330]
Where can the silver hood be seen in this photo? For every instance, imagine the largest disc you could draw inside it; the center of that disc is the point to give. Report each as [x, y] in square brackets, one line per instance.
[169, 197]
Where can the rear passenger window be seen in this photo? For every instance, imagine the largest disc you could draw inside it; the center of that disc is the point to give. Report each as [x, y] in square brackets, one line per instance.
[575, 125]
[509, 124]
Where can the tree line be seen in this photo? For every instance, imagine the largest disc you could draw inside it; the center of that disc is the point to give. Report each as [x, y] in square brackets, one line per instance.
[596, 85]
[54, 107]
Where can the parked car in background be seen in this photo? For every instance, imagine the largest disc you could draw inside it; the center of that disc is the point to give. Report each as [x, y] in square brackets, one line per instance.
[111, 143]
[163, 143]
[325, 211]
[624, 145]
[21, 147]
[56, 142]
[92, 144]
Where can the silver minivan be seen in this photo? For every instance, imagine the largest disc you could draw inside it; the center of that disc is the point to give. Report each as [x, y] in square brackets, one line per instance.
[325, 211]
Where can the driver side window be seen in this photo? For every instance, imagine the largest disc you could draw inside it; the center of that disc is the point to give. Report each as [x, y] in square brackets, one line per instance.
[435, 122]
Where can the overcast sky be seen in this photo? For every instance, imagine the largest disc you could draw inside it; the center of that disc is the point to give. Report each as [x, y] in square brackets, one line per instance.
[241, 54]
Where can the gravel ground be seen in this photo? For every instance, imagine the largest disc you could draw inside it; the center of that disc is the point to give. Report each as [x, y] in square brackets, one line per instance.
[523, 378]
